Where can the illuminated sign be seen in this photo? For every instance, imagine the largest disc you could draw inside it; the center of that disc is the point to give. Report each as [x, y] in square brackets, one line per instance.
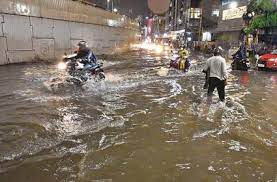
[233, 13]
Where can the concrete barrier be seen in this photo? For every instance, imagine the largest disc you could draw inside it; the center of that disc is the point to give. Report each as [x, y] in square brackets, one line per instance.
[46, 29]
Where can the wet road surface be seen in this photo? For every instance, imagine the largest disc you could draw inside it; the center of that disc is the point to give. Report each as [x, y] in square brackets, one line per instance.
[144, 123]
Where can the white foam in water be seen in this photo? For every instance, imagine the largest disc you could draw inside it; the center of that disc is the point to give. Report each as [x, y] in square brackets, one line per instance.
[175, 90]
[176, 87]
[117, 83]
[39, 96]
[236, 146]
[163, 71]
[110, 77]
[110, 63]
[102, 140]
[211, 168]
[230, 112]
[184, 166]
[55, 84]
[70, 124]
[204, 134]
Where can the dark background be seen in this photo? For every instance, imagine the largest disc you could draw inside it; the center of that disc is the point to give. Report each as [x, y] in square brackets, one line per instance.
[131, 8]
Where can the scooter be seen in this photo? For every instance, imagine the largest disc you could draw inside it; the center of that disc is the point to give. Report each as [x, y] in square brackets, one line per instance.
[180, 64]
[240, 64]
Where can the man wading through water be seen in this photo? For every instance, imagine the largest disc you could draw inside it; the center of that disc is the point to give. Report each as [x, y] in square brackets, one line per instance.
[215, 68]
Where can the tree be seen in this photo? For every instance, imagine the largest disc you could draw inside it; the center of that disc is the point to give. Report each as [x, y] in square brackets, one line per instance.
[260, 15]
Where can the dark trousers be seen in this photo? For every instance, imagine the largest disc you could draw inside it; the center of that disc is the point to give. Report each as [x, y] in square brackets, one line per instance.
[219, 84]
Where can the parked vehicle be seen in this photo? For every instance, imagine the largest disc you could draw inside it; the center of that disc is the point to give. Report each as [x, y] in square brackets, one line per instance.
[268, 61]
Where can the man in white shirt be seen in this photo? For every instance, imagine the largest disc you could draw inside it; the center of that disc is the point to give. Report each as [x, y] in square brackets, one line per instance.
[216, 69]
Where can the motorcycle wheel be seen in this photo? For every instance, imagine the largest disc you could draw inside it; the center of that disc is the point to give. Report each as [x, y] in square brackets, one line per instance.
[102, 76]
[245, 68]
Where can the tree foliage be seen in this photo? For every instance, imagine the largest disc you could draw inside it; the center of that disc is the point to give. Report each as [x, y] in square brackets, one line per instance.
[265, 15]
[262, 6]
[262, 21]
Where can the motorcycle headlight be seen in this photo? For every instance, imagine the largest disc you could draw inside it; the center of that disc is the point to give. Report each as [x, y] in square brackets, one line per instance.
[61, 66]
[80, 65]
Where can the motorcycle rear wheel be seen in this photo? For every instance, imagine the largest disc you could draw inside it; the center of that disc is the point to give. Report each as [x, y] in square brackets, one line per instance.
[102, 76]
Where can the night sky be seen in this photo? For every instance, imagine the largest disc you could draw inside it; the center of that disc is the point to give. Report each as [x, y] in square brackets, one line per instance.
[139, 7]
[131, 8]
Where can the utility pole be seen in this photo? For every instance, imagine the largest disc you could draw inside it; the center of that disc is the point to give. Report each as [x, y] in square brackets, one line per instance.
[175, 15]
[200, 24]
[108, 4]
[157, 22]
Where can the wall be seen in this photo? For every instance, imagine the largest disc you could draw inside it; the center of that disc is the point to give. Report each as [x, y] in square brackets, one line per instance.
[209, 21]
[230, 29]
[233, 24]
[46, 29]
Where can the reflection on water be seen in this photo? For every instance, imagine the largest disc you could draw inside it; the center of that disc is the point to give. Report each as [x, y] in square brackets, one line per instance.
[146, 122]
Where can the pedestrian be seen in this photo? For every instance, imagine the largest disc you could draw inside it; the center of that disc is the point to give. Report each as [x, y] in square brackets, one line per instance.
[216, 69]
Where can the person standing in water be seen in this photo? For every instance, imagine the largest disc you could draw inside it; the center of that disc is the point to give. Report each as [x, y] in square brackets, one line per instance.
[216, 69]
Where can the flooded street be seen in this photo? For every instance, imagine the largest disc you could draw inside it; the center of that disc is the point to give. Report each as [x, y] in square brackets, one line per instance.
[144, 123]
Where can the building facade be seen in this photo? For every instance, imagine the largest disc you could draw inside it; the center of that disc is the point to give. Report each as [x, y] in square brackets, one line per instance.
[193, 16]
[46, 29]
[230, 23]
[177, 17]
[210, 9]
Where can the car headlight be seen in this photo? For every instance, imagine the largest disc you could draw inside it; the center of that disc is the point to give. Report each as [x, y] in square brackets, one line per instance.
[273, 59]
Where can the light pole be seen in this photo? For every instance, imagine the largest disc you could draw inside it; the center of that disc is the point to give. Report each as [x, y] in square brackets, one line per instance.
[108, 4]
[200, 25]
[175, 16]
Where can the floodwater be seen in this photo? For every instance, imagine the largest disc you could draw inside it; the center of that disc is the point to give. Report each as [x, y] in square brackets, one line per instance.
[144, 123]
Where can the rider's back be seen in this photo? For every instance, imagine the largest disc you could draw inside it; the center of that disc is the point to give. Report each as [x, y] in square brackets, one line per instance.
[83, 53]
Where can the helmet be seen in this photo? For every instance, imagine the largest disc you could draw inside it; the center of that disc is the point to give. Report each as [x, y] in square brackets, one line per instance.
[82, 44]
[184, 53]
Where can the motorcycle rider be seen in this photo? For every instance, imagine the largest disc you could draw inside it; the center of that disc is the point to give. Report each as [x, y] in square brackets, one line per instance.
[86, 55]
[241, 53]
[217, 73]
[184, 62]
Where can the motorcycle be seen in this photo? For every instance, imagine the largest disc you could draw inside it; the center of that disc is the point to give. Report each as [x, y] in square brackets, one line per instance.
[240, 64]
[79, 73]
[180, 64]
[174, 60]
